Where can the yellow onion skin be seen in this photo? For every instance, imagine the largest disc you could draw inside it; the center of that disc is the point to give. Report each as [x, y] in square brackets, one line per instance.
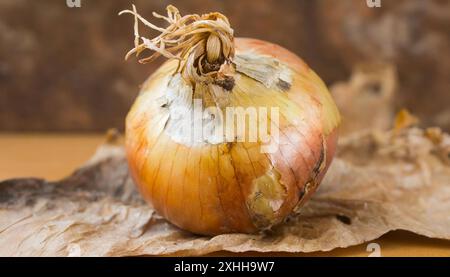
[232, 187]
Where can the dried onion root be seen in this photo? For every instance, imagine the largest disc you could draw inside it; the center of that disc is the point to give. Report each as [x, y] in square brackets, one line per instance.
[226, 180]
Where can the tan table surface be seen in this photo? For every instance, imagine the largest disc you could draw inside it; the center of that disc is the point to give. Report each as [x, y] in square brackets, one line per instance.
[21, 155]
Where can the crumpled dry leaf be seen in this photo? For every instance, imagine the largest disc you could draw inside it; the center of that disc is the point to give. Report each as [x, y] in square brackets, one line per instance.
[379, 182]
[368, 99]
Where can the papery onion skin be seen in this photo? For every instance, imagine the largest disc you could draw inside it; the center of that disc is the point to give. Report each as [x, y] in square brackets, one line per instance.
[233, 187]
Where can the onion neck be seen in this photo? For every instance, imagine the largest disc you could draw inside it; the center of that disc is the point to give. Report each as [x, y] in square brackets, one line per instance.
[203, 45]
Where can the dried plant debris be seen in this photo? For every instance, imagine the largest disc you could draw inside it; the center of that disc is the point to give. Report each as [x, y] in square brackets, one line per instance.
[367, 100]
[381, 181]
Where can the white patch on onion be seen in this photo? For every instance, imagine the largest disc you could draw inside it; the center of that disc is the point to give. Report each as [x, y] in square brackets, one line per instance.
[190, 123]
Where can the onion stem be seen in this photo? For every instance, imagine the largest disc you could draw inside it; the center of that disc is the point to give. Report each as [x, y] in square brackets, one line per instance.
[201, 43]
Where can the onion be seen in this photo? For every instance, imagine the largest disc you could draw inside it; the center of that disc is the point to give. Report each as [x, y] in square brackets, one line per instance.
[225, 180]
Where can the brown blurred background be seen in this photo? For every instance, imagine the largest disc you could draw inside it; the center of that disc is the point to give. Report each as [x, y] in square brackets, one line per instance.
[62, 69]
